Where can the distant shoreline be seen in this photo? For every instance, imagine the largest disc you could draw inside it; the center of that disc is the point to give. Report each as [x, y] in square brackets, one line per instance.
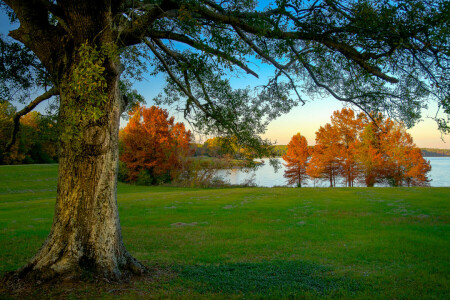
[426, 152]
[431, 152]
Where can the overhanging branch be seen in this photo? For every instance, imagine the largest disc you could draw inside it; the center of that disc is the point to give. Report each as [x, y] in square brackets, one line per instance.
[202, 47]
[174, 78]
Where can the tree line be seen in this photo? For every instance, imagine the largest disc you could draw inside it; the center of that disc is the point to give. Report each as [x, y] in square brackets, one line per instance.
[280, 150]
[154, 150]
[431, 152]
[357, 148]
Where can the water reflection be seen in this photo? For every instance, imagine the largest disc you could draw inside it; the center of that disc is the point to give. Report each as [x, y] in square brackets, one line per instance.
[267, 177]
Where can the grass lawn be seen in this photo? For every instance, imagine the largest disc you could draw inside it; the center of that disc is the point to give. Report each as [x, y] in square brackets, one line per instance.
[250, 242]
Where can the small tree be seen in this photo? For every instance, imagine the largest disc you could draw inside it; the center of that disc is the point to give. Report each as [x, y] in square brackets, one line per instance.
[7, 112]
[325, 157]
[296, 159]
[417, 169]
[403, 162]
[154, 147]
[36, 140]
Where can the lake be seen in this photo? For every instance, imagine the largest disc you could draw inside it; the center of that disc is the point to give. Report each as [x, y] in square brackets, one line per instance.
[265, 175]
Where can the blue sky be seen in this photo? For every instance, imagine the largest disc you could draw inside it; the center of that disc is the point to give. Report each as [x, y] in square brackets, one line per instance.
[304, 119]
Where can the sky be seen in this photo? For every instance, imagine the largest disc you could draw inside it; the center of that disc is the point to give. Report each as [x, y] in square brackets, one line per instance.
[304, 119]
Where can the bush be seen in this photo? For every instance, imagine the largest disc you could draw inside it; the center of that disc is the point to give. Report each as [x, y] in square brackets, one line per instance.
[145, 178]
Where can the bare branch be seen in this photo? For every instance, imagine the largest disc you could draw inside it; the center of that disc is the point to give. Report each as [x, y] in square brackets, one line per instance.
[52, 92]
[324, 86]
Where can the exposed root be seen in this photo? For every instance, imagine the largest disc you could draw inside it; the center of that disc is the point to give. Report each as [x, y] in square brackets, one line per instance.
[134, 266]
[27, 276]
[89, 288]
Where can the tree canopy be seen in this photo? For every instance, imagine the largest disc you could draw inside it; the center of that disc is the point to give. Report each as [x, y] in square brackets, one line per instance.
[378, 55]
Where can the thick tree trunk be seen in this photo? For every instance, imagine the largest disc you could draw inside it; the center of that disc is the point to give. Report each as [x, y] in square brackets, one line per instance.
[86, 234]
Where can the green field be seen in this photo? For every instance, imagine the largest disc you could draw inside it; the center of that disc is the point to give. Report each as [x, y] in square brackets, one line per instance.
[250, 242]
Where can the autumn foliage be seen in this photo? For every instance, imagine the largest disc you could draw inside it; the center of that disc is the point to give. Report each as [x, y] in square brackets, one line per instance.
[153, 147]
[356, 148]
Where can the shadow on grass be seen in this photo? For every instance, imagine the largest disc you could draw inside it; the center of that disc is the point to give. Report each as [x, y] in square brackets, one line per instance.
[268, 279]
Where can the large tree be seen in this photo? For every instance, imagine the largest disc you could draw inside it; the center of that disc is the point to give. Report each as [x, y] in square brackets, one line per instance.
[154, 147]
[385, 55]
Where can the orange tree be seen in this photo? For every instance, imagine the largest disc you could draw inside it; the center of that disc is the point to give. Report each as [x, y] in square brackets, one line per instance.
[154, 148]
[324, 161]
[373, 149]
[368, 153]
[385, 152]
[347, 127]
[296, 159]
[403, 163]
[334, 153]
[417, 169]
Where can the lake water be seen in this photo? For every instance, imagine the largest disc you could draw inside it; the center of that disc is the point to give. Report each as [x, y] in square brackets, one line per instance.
[266, 176]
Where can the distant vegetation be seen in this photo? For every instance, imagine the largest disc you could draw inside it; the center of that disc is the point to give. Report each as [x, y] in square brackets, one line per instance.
[281, 150]
[432, 152]
[161, 151]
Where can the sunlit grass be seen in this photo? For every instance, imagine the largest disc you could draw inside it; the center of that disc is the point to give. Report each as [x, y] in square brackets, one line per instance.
[254, 242]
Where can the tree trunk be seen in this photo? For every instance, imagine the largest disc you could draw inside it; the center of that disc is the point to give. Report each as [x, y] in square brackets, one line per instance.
[83, 60]
[86, 234]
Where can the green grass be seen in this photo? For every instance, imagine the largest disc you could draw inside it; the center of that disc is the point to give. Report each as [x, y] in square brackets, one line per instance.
[251, 242]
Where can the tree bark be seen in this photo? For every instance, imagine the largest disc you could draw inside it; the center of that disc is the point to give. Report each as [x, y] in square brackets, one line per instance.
[86, 233]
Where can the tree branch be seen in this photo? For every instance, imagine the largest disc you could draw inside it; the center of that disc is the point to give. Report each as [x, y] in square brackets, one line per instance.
[202, 47]
[35, 30]
[52, 92]
[137, 29]
[174, 78]
[179, 57]
[280, 67]
[324, 86]
[347, 50]
[352, 54]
